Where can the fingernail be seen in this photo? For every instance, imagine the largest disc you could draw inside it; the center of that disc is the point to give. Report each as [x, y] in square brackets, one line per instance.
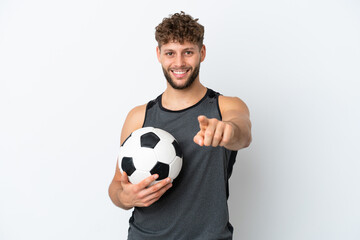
[156, 176]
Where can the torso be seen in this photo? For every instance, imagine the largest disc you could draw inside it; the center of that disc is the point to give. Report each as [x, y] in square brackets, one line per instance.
[196, 206]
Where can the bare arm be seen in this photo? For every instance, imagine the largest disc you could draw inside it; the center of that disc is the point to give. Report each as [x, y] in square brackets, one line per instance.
[233, 132]
[124, 194]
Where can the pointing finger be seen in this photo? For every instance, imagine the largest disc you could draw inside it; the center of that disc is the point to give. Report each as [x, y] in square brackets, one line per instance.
[203, 122]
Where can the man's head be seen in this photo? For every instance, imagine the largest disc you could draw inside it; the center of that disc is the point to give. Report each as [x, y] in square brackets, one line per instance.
[179, 27]
[180, 49]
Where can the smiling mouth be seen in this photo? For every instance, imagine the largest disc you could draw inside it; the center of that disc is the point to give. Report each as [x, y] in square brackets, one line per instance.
[180, 73]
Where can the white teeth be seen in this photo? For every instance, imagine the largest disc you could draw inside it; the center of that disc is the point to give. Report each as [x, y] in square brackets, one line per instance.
[179, 72]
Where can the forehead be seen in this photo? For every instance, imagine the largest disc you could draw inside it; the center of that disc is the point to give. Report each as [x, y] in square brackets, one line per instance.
[176, 46]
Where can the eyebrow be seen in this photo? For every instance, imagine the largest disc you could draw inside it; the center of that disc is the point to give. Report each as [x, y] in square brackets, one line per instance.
[186, 49]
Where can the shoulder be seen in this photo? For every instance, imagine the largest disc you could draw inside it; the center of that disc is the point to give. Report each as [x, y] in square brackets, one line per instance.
[138, 112]
[133, 121]
[232, 104]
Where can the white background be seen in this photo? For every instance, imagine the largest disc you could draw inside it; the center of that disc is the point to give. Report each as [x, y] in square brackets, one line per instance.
[70, 71]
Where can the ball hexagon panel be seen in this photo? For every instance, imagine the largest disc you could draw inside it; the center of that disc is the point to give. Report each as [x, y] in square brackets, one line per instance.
[164, 151]
[138, 176]
[175, 167]
[144, 159]
[132, 144]
[163, 135]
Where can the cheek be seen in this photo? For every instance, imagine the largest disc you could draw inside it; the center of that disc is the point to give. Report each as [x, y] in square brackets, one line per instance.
[164, 63]
[195, 62]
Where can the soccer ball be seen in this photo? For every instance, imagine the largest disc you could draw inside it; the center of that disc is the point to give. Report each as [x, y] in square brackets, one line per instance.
[148, 151]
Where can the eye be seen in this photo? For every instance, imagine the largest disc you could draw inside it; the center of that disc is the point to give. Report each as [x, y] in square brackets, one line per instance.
[188, 53]
[169, 53]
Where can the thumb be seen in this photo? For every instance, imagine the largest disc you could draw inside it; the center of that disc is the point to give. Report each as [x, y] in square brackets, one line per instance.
[124, 178]
[199, 139]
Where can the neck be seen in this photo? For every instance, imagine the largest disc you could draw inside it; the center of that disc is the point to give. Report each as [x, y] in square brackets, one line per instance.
[175, 99]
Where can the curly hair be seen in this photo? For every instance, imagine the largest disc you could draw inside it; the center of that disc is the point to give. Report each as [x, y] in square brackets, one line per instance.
[179, 27]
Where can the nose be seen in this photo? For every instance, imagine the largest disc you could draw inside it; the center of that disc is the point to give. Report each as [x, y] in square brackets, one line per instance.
[179, 61]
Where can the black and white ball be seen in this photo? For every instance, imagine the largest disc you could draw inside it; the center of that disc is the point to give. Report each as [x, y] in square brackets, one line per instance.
[148, 151]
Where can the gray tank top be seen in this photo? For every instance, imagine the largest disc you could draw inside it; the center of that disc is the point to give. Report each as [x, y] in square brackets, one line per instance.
[195, 208]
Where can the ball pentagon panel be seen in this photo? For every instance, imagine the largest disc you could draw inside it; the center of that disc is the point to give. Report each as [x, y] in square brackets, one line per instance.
[162, 169]
[149, 140]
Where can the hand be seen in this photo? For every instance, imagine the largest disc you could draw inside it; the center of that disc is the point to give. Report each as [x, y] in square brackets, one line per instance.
[213, 132]
[140, 195]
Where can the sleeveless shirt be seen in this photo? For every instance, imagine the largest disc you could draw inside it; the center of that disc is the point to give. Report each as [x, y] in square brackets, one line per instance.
[195, 207]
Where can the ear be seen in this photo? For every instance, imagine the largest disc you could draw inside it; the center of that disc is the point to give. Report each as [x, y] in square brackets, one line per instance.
[158, 53]
[202, 53]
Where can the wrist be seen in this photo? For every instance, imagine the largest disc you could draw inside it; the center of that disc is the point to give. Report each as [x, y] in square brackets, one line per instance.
[122, 201]
[234, 141]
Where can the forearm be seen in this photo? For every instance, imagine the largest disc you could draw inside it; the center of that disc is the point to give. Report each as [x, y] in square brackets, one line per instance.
[241, 133]
[115, 191]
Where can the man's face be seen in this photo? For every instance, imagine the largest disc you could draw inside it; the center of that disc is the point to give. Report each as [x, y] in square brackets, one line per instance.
[181, 63]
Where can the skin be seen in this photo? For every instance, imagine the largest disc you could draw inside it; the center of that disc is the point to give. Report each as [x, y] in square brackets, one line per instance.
[180, 63]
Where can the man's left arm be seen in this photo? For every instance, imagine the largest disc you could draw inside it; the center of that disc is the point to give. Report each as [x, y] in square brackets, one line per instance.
[232, 132]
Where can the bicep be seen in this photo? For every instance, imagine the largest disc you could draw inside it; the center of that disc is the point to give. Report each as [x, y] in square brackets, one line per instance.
[133, 121]
[233, 107]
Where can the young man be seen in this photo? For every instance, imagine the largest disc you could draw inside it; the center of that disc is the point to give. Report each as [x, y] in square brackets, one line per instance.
[209, 127]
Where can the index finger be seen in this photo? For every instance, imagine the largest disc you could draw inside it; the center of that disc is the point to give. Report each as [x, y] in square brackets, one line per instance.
[203, 122]
[147, 181]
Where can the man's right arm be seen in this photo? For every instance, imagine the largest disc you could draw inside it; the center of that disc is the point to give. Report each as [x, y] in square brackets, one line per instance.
[124, 194]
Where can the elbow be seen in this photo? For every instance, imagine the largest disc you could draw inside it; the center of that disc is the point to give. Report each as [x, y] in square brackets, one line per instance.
[247, 141]
[248, 137]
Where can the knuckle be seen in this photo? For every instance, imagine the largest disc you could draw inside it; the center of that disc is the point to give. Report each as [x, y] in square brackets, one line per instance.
[225, 140]
[140, 196]
[213, 120]
[135, 189]
[155, 188]
[209, 133]
[229, 127]
[217, 137]
[149, 180]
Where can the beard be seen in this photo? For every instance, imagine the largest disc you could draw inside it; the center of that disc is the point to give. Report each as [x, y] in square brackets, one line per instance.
[188, 82]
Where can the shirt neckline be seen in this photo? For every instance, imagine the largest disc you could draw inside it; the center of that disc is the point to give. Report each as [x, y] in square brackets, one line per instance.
[182, 110]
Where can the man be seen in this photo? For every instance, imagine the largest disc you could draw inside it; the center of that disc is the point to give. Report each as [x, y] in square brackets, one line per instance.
[209, 127]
